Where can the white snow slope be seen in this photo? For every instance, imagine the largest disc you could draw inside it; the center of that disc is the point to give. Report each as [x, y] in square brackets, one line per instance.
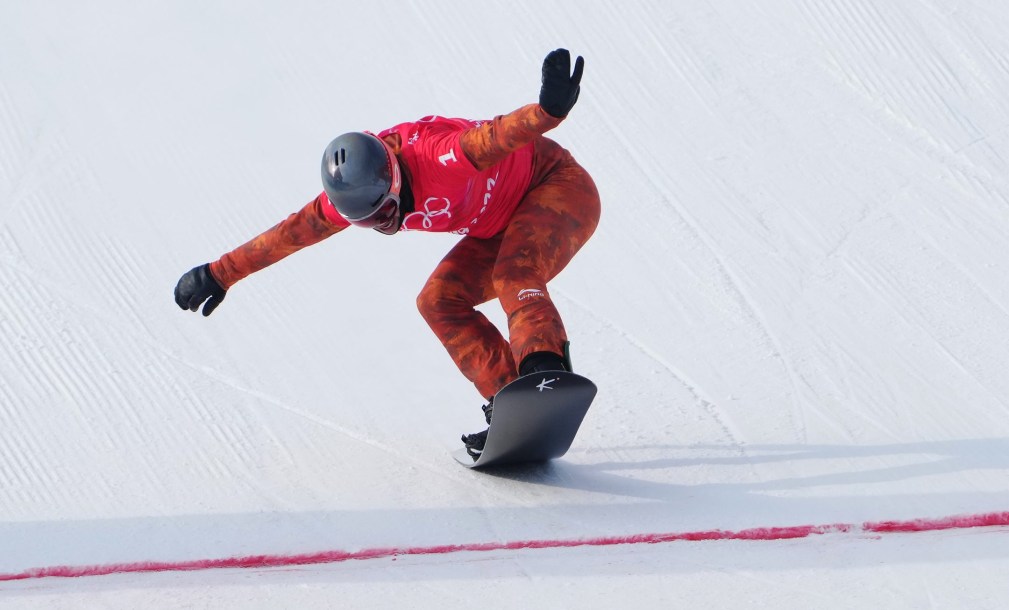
[796, 306]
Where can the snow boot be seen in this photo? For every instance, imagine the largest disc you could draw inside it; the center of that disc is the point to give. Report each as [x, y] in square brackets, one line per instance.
[541, 362]
[475, 442]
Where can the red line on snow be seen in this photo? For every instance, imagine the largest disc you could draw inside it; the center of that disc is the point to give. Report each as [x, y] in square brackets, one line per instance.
[759, 533]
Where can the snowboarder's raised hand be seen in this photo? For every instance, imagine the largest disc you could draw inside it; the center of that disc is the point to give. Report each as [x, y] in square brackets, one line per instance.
[196, 286]
[560, 87]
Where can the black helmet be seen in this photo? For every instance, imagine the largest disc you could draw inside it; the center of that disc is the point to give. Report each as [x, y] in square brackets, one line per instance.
[361, 177]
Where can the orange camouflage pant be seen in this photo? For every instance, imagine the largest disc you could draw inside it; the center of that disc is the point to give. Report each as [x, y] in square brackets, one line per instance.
[556, 217]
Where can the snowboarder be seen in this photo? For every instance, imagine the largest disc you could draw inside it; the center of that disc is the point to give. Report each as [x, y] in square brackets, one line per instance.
[523, 205]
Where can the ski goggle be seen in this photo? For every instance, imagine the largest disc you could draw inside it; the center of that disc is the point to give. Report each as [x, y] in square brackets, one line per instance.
[385, 216]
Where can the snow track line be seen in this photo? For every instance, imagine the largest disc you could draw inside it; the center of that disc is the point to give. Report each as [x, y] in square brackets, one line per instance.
[874, 528]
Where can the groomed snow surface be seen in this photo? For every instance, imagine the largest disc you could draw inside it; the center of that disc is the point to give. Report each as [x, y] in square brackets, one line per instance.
[796, 308]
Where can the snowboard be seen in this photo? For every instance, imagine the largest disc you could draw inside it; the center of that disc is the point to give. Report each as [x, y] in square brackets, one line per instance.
[536, 418]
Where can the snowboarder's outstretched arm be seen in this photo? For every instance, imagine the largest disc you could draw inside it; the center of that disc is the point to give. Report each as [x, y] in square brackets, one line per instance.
[491, 142]
[210, 282]
[304, 228]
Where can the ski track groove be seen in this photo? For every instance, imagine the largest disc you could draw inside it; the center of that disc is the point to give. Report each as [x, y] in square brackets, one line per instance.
[752, 313]
[966, 272]
[66, 369]
[40, 378]
[711, 407]
[688, 69]
[14, 153]
[61, 376]
[26, 328]
[364, 439]
[1000, 61]
[14, 467]
[79, 376]
[729, 280]
[448, 471]
[974, 180]
[924, 98]
[878, 285]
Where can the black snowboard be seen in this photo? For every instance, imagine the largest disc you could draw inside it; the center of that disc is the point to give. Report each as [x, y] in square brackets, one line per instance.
[535, 419]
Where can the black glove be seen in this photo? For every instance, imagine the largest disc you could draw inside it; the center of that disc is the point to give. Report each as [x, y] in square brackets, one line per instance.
[560, 87]
[196, 286]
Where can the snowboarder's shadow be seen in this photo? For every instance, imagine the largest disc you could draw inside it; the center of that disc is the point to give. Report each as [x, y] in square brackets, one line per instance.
[637, 471]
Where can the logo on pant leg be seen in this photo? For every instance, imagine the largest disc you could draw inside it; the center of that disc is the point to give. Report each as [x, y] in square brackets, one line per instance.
[529, 293]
